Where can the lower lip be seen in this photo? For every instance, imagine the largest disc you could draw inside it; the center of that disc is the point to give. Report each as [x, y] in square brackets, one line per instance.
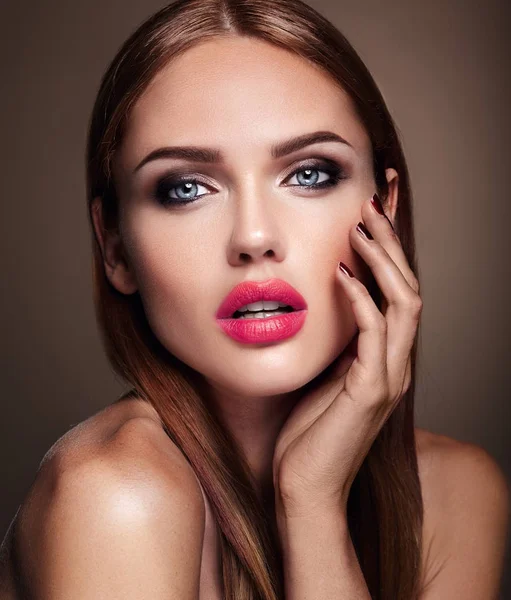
[260, 331]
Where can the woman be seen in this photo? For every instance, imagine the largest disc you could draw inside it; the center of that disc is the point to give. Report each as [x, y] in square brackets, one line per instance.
[241, 158]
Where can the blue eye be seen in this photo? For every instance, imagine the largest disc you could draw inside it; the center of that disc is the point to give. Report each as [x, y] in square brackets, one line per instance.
[180, 190]
[308, 176]
[177, 191]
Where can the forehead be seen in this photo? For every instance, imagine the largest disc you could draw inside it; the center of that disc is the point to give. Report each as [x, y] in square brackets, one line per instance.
[241, 93]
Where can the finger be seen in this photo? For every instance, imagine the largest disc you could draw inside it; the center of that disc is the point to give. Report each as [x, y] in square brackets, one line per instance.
[367, 374]
[382, 231]
[404, 305]
[374, 216]
[399, 296]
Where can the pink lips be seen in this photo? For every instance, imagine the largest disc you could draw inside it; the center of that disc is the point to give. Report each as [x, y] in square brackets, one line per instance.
[262, 330]
[247, 292]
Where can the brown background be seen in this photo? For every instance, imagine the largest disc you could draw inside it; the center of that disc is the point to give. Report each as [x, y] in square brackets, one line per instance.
[444, 70]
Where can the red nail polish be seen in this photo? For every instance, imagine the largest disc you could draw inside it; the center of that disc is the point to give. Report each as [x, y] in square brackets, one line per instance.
[364, 231]
[375, 201]
[345, 269]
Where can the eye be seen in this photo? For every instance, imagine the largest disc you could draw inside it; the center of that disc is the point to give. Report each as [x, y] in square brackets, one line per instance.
[177, 190]
[317, 175]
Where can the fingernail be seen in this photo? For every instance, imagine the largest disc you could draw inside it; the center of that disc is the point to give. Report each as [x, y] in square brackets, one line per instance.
[364, 231]
[345, 269]
[375, 201]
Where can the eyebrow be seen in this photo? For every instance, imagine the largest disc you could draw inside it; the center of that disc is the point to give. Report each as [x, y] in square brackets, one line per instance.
[215, 156]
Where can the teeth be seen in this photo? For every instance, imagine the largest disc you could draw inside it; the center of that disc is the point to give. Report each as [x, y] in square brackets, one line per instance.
[261, 305]
[261, 315]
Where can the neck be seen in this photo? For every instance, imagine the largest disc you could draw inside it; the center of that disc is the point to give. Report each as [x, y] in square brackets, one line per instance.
[254, 423]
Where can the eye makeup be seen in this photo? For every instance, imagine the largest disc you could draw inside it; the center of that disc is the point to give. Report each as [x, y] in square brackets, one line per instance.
[187, 184]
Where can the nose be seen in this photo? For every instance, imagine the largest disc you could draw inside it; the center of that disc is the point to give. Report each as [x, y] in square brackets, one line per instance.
[256, 229]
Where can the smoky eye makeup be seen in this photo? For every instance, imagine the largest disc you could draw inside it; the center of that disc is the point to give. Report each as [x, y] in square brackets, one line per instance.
[335, 171]
[178, 187]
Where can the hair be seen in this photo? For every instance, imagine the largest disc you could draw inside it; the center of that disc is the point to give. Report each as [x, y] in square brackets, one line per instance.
[385, 509]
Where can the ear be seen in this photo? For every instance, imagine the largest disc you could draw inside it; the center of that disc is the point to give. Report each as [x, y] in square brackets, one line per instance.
[116, 267]
[390, 204]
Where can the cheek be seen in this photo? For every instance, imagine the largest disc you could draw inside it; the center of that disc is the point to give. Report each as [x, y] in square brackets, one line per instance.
[336, 245]
[167, 268]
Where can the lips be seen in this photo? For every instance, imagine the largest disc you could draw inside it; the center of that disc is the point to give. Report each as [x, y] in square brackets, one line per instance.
[247, 292]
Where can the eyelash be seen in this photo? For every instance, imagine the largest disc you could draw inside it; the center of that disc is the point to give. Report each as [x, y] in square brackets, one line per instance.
[169, 182]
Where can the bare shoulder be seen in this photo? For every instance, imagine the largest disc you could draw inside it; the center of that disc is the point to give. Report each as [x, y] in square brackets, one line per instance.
[466, 518]
[91, 435]
[120, 449]
[457, 472]
[113, 499]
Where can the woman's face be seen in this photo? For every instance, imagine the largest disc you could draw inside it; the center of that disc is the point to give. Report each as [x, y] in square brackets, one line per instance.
[254, 217]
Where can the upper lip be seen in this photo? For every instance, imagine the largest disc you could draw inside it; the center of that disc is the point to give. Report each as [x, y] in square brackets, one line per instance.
[247, 292]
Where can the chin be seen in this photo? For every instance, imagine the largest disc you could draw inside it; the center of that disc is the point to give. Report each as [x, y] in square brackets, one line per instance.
[267, 377]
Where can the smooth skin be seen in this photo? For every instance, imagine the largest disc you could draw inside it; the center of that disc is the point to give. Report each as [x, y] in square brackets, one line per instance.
[111, 517]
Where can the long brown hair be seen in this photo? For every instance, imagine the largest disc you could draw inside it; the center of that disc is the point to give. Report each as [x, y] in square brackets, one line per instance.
[385, 510]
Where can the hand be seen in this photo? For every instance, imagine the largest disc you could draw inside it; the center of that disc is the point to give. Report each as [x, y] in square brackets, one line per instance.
[327, 435]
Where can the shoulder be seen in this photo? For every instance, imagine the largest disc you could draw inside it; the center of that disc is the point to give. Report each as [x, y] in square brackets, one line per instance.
[458, 473]
[87, 437]
[121, 448]
[125, 493]
[466, 516]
